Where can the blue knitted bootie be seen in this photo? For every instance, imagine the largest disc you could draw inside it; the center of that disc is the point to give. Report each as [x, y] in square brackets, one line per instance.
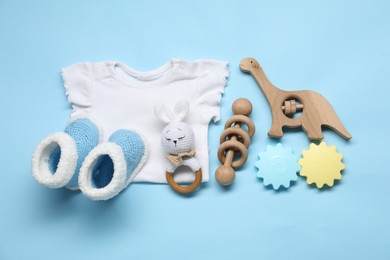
[57, 159]
[112, 165]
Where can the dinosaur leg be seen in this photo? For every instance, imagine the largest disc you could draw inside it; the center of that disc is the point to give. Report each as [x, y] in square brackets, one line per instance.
[276, 130]
[313, 132]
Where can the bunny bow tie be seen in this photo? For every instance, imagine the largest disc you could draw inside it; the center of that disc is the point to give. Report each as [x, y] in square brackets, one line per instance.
[178, 159]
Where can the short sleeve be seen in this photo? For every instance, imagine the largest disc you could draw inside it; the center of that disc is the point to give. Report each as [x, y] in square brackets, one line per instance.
[77, 83]
[211, 86]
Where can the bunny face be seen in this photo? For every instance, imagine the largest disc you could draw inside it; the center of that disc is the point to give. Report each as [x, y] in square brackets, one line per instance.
[177, 137]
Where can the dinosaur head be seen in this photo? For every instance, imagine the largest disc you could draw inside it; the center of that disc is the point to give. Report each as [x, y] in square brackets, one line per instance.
[248, 64]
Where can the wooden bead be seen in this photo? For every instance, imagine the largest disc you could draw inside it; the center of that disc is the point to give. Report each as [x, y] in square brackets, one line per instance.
[291, 107]
[242, 106]
[225, 175]
[287, 107]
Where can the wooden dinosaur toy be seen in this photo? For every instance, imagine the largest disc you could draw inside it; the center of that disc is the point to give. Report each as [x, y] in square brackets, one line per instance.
[316, 110]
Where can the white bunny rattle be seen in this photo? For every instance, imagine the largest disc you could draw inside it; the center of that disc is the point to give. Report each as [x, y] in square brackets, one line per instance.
[178, 141]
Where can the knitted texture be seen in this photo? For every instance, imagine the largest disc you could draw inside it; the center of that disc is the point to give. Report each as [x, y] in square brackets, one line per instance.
[102, 172]
[86, 136]
[192, 163]
[111, 166]
[54, 159]
[177, 137]
[59, 171]
[178, 159]
[180, 111]
[92, 186]
[133, 149]
[55, 152]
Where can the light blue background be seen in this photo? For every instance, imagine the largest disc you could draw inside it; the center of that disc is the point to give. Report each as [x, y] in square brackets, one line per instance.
[337, 48]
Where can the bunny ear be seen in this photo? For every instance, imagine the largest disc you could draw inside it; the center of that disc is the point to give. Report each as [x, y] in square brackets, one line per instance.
[163, 113]
[181, 109]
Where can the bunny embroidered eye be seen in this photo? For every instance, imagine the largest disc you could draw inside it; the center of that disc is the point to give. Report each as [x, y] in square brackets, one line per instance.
[180, 138]
[168, 139]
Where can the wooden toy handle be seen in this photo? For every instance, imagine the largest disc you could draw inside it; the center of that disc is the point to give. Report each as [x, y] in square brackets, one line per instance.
[239, 141]
[230, 153]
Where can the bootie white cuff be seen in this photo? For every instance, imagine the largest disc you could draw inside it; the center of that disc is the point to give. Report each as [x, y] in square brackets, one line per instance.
[118, 180]
[57, 160]
[110, 167]
[61, 173]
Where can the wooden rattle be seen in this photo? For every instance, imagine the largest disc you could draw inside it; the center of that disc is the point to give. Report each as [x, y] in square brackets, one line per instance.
[237, 144]
[316, 110]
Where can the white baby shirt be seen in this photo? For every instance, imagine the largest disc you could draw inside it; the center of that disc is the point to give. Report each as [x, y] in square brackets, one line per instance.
[116, 97]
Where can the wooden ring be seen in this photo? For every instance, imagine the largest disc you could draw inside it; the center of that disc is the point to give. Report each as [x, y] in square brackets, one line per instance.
[233, 145]
[184, 189]
[244, 120]
[239, 132]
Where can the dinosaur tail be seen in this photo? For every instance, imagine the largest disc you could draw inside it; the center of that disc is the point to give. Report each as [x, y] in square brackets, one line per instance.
[332, 120]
